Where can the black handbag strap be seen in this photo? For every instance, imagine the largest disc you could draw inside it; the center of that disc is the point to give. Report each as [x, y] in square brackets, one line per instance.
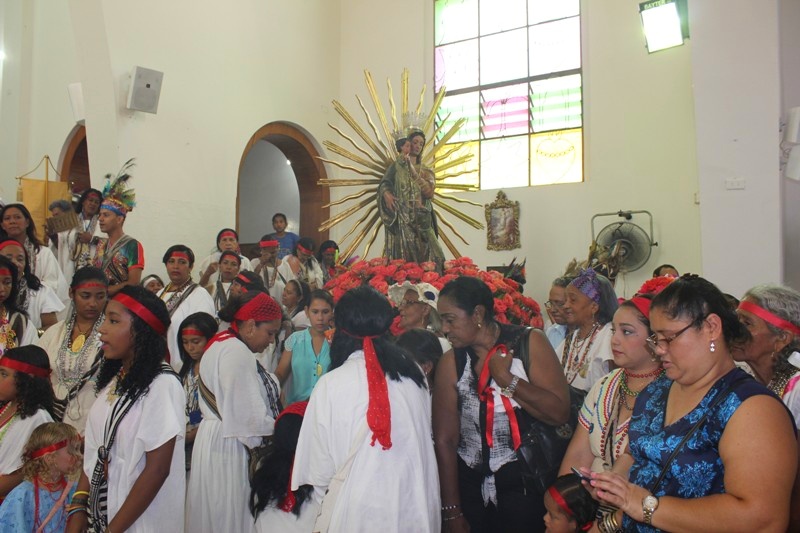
[717, 400]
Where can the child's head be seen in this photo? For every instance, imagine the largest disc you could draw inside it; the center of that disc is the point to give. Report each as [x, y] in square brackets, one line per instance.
[193, 335]
[9, 283]
[424, 347]
[320, 309]
[570, 507]
[53, 450]
[25, 378]
[279, 223]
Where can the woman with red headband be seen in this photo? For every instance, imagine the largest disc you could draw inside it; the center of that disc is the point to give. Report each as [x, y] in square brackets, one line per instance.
[133, 465]
[229, 264]
[328, 257]
[15, 328]
[74, 347]
[302, 265]
[239, 404]
[26, 398]
[267, 265]
[366, 437]
[182, 295]
[227, 240]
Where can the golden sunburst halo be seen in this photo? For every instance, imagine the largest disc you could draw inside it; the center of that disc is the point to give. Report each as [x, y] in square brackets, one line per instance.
[377, 153]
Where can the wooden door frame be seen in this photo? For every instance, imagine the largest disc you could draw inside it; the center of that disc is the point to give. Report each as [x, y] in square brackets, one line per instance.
[74, 140]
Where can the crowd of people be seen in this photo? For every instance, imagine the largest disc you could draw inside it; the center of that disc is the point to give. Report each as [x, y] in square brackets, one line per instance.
[250, 400]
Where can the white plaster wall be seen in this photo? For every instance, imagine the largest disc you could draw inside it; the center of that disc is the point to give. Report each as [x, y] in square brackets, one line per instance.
[789, 20]
[267, 186]
[737, 105]
[639, 135]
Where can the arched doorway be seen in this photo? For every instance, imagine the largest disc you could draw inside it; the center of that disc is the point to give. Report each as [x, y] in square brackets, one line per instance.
[74, 161]
[300, 150]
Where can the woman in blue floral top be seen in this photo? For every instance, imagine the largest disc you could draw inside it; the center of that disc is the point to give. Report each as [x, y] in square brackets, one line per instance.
[735, 472]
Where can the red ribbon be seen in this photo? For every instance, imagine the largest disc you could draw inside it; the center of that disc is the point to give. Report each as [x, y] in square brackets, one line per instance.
[559, 499]
[192, 331]
[329, 249]
[49, 449]
[9, 242]
[88, 285]
[486, 394]
[304, 249]
[268, 244]
[142, 312]
[228, 234]
[244, 280]
[5, 272]
[768, 317]
[289, 501]
[219, 337]
[25, 368]
[643, 305]
[180, 255]
[379, 411]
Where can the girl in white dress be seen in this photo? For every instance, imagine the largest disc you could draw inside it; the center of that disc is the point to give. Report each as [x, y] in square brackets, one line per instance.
[134, 454]
[26, 398]
[15, 328]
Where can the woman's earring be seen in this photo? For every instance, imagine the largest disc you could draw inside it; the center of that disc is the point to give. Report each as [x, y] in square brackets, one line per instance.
[712, 347]
[479, 325]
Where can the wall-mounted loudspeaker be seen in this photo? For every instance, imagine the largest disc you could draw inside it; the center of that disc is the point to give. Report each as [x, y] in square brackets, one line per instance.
[145, 89]
[76, 101]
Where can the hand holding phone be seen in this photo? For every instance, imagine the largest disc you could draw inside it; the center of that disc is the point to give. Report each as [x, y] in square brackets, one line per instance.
[581, 475]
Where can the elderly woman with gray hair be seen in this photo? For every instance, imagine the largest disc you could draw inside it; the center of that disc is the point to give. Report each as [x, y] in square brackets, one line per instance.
[589, 308]
[416, 303]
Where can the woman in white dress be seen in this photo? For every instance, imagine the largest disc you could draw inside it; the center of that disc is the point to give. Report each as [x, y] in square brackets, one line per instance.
[239, 403]
[73, 346]
[35, 298]
[26, 398]
[267, 264]
[77, 246]
[229, 264]
[302, 265]
[17, 223]
[369, 421]
[182, 296]
[15, 328]
[134, 453]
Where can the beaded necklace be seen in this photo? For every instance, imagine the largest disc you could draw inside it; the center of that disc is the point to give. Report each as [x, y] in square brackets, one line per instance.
[632, 393]
[7, 334]
[270, 281]
[573, 361]
[177, 295]
[71, 361]
[113, 390]
[4, 426]
[780, 379]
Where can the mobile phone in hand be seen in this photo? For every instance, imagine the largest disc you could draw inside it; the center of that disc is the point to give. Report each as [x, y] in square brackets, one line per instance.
[581, 474]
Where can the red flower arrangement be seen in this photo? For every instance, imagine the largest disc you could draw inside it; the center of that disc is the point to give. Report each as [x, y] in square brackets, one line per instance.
[510, 305]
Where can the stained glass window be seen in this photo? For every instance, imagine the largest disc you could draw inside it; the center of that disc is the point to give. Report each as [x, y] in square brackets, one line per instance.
[513, 72]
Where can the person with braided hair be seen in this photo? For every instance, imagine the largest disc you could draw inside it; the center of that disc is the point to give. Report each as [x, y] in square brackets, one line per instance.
[239, 401]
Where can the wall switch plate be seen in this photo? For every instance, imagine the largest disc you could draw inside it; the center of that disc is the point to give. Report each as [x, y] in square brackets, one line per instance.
[735, 184]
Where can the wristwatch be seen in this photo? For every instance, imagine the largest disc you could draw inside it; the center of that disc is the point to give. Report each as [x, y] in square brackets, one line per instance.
[508, 392]
[649, 506]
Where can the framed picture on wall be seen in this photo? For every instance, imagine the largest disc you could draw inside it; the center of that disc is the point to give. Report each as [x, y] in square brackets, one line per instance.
[502, 223]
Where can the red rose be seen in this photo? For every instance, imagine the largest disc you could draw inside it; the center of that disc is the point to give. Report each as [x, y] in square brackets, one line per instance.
[400, 276]
[395, 328]
[379, 285]
[428, 266]
[429, 277]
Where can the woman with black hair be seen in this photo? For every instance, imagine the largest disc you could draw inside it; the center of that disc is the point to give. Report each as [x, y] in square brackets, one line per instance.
[240, 401]
[15, 328]
[182, 296]
[266, 266]
[17, 223]
[227, 240]
[134, 455]
[27, 400]
[426, 349]
[77, 246]
[296, 297]
[73, 346]
[229, 264]
[39, 301]
[712, 448]
[246, 281]
[327, 257]
[368, 424]
[274, 507]
[302, 265]
[480, 475]
[193, 336]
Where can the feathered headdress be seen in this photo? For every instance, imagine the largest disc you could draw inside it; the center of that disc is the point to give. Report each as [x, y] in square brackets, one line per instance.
[117, 197]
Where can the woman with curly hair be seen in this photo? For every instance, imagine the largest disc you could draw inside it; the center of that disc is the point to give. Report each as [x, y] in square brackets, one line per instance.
[367, 430]
[239, 404]
[273, 505]
[15, 328]
[74, 347]
[134, 453]
[27, 399]
[52, 457]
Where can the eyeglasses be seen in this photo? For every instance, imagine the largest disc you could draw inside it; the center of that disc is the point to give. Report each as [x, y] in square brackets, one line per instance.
[662, 344]
[550, 304]
[406, 303]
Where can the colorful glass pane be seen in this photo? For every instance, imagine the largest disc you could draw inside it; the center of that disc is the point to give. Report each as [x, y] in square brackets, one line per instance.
[504, 111]
[544, 10]
[466, 173]
[455, 20]
[555, 46]
[460, 106]
[504, 57]
[504, 162]
[557, 157]
[455, 65]
[556, 103]
[494, 19]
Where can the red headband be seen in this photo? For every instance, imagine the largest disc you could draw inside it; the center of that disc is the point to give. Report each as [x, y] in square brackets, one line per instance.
[227, 234]
[142, 312]
[89, 285]
[25, 368]
[234, 255]
[5, 272]
[642, 304]
[180, 255]
[244, 279]
[330, 249]
[49, 449]
[768, 317]
[262, 308]
[192, 331]
[268, 244]
[559, 499]
[304, 249]
[9, 242]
